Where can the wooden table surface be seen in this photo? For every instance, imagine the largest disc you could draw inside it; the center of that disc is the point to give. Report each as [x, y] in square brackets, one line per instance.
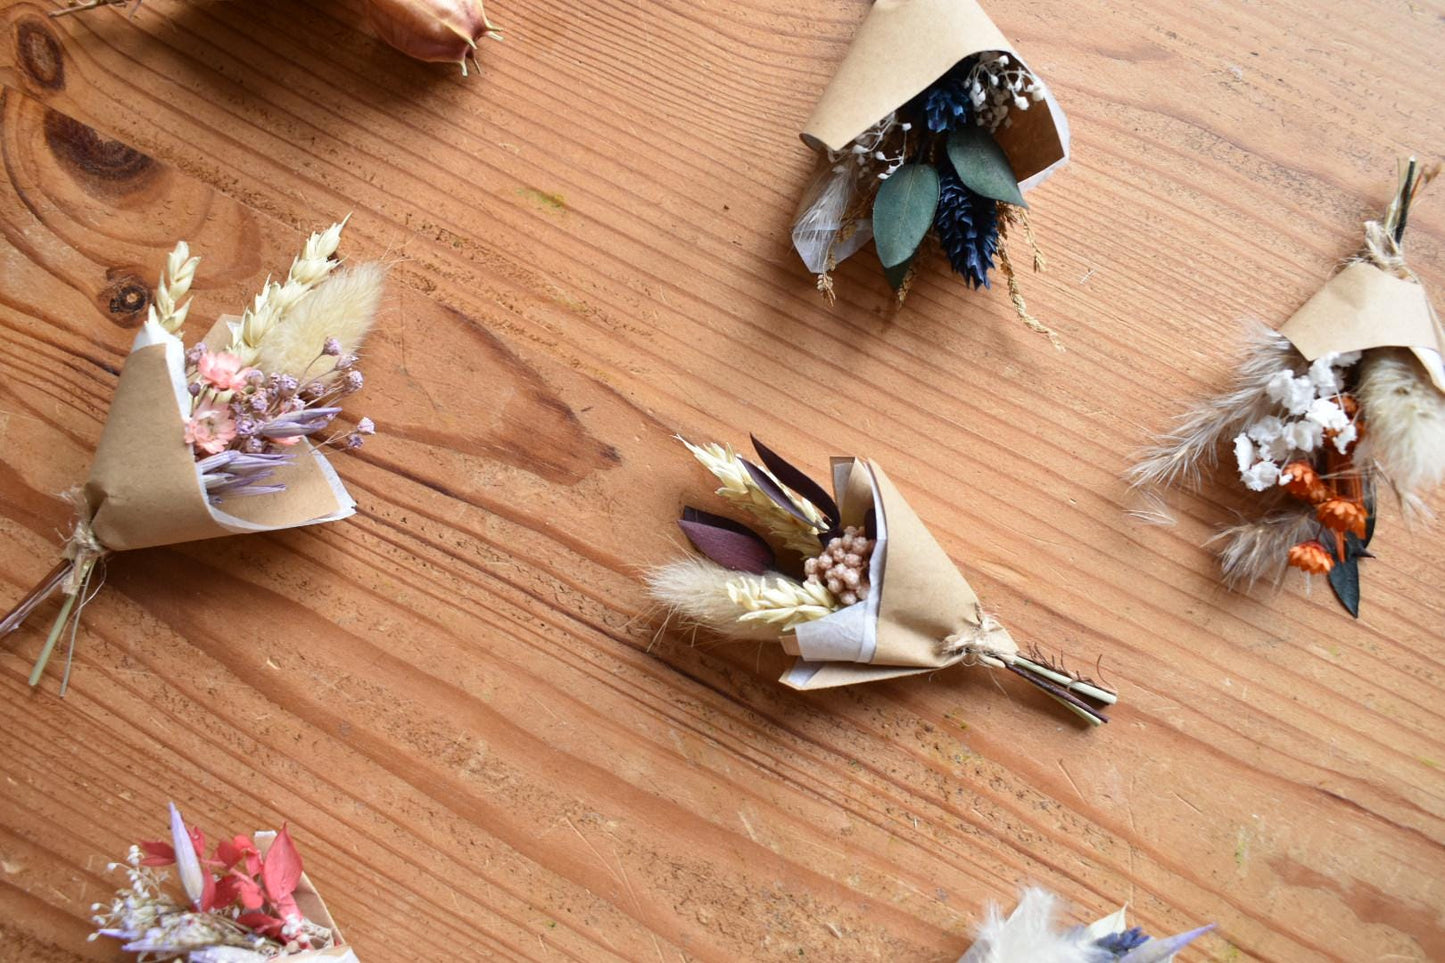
[461, 699]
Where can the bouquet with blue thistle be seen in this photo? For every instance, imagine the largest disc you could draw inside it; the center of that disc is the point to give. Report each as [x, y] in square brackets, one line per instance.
[966, 128]
[852, 584]
[1030, 935]
[226, 437]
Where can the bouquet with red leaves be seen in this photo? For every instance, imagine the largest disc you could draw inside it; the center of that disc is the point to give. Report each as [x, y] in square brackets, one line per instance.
[246, 902]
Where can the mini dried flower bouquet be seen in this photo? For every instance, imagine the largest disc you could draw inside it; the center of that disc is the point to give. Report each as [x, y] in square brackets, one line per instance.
[247, 901]
[857, 588]
[1346, 398]
[226, 437]
[928, 135]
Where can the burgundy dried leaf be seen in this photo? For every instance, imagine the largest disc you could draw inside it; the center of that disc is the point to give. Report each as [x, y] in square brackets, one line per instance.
[797, 480]
[731, 544]
[771, 488]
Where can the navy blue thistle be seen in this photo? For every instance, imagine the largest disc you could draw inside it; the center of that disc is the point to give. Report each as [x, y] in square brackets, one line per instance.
[946, 104]
[1121, 943]
[967, 226]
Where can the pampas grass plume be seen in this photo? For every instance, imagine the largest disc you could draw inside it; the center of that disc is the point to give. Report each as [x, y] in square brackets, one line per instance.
[1193, 443]
[342, 307]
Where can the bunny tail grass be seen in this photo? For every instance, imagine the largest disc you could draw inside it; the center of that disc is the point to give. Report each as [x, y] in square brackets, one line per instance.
[704, 594]
[1405, 433]
[1192, 444]
[341, 307]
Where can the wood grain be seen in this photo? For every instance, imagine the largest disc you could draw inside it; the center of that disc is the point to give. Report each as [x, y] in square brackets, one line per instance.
[461, 699]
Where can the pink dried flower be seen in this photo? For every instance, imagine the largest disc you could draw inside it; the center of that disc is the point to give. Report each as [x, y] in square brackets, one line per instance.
[223, 370]
[211, 427]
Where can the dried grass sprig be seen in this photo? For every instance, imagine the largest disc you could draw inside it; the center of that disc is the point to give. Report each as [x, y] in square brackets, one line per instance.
[166, 308]
[739, 488]
[1257, 550]
[275, 301]
[1178, 457]
[704, 594]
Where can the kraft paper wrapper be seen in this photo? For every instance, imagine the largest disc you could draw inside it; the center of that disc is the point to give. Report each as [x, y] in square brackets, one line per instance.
[1364, 307]
[313, 907]
[144, 488]
[902, 47]
[918, 599]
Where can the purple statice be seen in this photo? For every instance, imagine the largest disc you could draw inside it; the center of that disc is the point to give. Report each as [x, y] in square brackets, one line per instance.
[947, 104]
[967, 226]
[1122, 942]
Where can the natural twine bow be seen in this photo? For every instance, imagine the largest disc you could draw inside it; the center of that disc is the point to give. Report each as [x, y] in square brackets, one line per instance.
[1384, 239]
[82, 548]
[974, 646]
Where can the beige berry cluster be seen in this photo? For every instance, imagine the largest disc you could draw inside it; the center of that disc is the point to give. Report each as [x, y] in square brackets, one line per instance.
[843, 566]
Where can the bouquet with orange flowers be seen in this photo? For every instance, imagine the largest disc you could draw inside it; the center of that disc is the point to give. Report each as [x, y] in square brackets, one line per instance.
[1348, 396]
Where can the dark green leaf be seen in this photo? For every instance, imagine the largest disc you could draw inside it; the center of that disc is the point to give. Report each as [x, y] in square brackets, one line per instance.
[903, 212]
[1345, 580]
[983, 166]
[897, 275]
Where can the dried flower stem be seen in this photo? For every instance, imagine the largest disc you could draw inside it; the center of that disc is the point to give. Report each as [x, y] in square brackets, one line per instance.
[1015, 295]
[166, 308]
[738, 487]
[270, 306]
[780, 601]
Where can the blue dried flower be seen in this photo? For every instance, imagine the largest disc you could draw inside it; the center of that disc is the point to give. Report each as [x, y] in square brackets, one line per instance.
[1121, 943]
[946, 104]
[967, 225]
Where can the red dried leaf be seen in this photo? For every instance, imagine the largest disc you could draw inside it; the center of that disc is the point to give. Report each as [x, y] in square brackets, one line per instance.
[157, 853]
[261, 923]
[237, 888]
[281, 867]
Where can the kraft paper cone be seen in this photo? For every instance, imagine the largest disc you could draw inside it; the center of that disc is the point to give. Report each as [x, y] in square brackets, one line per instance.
[918, 599]
[902, 47]
[1364, 307]
[144, 487]
[313, 907]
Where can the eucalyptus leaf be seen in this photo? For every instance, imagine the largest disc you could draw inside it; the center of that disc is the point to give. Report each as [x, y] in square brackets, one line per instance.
[897, 275]
[903, 212]
[983, 166]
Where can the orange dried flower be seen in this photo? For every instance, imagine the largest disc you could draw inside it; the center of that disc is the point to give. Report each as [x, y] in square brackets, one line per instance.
[1311, 557]
[1342, 515]
[1305, 483]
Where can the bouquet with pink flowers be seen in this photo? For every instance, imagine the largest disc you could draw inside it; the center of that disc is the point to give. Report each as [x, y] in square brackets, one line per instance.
[248, 901]
[225, 437]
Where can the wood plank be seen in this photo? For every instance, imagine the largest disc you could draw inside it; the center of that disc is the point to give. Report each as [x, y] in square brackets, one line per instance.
[461, 698]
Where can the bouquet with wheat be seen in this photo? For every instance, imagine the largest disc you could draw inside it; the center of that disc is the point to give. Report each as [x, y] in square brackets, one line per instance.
[226, 437]
[857, 588]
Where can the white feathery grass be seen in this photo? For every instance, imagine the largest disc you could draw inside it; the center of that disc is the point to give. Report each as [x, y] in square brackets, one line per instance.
[1404, 422]
[1193, 443]
[1027, 935]
[1258, 550]
[735, 604]
[175, 282]
[275, 301]
[739, 488]
[342, 307]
